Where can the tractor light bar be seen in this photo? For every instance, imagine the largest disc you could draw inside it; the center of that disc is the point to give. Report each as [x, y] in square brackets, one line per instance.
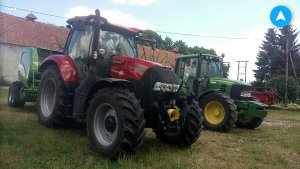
[165, 87]
[246, 94]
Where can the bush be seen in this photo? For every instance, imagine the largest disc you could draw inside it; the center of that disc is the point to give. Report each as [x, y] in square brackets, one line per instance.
[3, 81]
[279, 83]
[288, 107]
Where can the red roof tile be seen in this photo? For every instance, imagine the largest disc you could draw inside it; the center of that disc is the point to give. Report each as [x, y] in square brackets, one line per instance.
[166, 58]
[20, 31]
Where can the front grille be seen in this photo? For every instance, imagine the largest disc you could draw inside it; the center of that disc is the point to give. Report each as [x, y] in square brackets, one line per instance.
[236, 92]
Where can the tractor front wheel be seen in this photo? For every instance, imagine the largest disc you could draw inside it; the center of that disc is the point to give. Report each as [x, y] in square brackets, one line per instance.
[190, 130]
[115, 122]
[14, 95]
[248, 122]
[219, 111]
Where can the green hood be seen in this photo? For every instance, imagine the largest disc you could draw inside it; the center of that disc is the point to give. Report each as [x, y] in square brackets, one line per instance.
[228, 81]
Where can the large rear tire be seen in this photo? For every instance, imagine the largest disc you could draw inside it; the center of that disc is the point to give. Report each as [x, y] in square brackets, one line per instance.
[219, 111]
[248, 122]
[115, 122]
[190, 130]
[52, 99]
[14, 95]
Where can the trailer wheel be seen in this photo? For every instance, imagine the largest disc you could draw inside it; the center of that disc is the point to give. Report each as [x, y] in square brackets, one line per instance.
[219, 111]
[115, 122]
[52, 99]
[248, 122]
[14, 95]
[189, 132]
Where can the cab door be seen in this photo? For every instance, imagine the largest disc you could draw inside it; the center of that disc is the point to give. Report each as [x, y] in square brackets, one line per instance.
[79, 49]
[187, 70]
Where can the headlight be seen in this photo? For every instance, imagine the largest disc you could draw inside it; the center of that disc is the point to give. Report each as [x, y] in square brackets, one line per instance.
[165, 87]
[246, 94]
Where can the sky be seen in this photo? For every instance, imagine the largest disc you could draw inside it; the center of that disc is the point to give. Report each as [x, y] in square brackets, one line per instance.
[247, 19]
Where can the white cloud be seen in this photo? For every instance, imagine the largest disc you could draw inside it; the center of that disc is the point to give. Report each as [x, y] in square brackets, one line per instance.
[136, 2]
[113, 16]
[242, 50]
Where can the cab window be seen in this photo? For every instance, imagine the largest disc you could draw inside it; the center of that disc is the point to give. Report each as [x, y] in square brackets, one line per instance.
[80, 43]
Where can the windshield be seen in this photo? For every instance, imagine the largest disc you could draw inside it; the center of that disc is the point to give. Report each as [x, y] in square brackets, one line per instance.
[116, 44]
[211, 68]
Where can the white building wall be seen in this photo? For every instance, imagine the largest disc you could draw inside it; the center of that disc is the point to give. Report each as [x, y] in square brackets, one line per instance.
[9, 60]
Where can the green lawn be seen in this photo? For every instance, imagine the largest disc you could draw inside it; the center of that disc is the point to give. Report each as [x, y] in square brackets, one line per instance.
[24, 143]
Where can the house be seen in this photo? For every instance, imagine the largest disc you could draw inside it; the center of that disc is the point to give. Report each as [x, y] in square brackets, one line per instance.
[17, 33]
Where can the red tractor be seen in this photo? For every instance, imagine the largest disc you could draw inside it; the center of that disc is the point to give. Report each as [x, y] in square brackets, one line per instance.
[99, 77]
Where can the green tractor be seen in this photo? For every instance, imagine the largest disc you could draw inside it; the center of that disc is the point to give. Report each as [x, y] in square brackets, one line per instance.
[99, 78]
[224, 102]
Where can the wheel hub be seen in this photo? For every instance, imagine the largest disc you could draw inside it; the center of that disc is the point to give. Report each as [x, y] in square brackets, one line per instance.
[214, 112]
[105, 124]
[217, 113]
[110, 124]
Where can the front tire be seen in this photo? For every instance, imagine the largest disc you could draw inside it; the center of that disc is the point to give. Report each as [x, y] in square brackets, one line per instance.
[219, 111]
[190, 131]
[14, 95]
[115, 122]
[52, 99]
[248, 122]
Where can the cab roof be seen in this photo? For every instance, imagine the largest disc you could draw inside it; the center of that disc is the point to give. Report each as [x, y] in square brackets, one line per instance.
[105, 25]
[197, 55]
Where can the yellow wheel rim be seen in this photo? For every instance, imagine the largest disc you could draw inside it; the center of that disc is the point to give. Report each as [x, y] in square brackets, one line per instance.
[244, 119]
[214, 112]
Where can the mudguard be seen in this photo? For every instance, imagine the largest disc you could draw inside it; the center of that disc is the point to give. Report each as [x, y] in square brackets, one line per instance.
[65, 65]
[82, 95]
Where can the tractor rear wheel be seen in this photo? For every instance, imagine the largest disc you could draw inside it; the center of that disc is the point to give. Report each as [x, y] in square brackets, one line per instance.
[52, 99]
[190, 130]
[248, 122]
[14, 95]
[115, 122]
[219, 111]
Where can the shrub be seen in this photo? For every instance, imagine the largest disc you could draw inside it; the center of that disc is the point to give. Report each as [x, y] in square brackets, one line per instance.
[279, 83]
[3, 81]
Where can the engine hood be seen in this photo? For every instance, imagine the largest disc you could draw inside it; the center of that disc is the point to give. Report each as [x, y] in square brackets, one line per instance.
[124, 67]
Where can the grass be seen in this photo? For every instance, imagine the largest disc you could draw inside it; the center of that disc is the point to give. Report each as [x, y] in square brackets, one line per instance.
[24, 143]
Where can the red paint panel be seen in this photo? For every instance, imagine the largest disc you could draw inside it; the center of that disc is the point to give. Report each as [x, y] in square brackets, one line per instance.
[66, 67]
[124, 67]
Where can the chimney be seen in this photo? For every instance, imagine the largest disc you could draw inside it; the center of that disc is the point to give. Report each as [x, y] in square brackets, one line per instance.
[31, 17]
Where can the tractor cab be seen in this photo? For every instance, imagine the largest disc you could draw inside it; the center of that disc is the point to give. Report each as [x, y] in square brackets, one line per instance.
[110, 42]
[197, 70]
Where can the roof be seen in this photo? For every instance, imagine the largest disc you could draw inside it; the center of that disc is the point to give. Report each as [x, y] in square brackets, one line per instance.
[21, 31]
[163, 57]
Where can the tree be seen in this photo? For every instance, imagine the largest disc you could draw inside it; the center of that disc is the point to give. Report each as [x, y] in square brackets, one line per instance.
[288, 36]
[149, 34]
[181, 47]
[268, 52]
[168, 43]
[198, 50]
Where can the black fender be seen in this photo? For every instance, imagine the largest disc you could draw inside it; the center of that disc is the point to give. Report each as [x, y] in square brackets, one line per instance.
[82, 98]
[205, 93]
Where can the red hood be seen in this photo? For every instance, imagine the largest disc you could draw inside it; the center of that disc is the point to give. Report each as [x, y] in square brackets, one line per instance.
[124, 67]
